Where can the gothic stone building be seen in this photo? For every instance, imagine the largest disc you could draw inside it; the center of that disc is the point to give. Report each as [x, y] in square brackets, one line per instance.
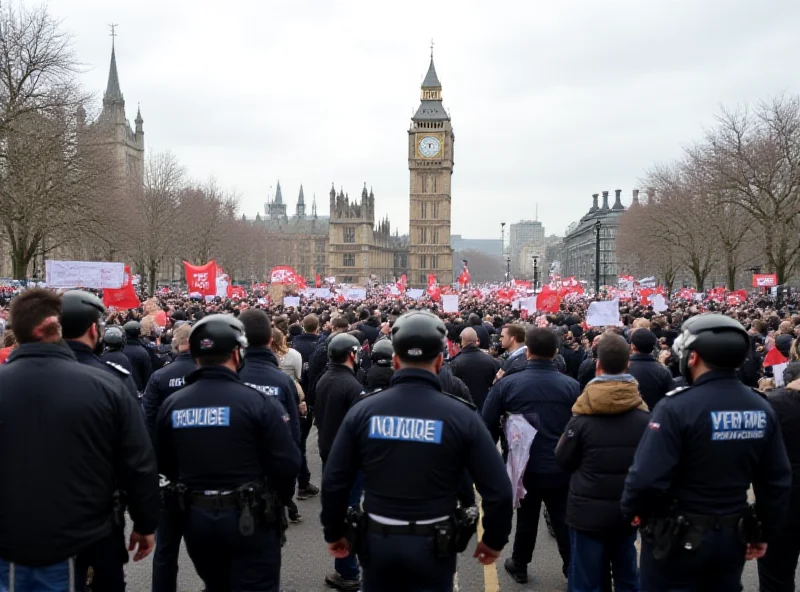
[430, 162]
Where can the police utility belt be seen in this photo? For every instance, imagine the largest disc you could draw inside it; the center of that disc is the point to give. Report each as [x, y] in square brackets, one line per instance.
[451, 534]
[255, 501]
[685, 530]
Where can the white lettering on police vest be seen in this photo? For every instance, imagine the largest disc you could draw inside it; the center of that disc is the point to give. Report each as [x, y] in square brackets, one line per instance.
[272, 391]
[738, 425]
[408, 429]
[176, 382]
[201, 417]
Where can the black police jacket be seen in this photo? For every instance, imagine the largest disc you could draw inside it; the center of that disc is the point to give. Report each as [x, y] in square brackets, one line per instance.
[453, 385]
[545, 397]
[117, 357]
[337, 390]
[477, 370]
[217, 434]
[85, 355]
[703, 448]
[140, 360]
[81, 434]
[378, 377]
[413, 444]
[786, 403]
[164, 382]
[305, 343]
[261, 371]
[317, 365]
[654, 379]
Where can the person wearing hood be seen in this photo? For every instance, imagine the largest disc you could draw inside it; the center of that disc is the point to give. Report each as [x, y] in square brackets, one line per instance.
[597, 447]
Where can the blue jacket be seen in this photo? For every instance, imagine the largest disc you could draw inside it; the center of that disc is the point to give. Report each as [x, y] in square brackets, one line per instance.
[262, 373]
[545, 397]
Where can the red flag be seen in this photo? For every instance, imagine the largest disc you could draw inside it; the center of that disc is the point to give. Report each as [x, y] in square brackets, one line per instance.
[283, 274]
[522, 284]
[431, 280]
[318, 281]
[463, 278]
[548, 301]
[201, 278]
[403, 280]
[237, 292]
[123, 297]
[774, 357]
[434, 292]
[644, 296]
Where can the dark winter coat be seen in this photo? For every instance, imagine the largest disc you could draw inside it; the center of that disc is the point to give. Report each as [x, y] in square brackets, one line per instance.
[477, 370]
[654, 379]
[598, 448]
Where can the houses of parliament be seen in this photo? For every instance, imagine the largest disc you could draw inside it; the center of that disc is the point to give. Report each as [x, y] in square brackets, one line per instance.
[349, 243]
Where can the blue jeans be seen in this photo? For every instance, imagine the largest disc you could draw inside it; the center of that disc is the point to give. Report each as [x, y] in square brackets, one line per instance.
[348, 567]
[590, 555]
[50, 578]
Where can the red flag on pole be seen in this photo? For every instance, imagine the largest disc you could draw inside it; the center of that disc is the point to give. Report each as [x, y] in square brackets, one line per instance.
[202, 278]
[318, 281]
[124, 297]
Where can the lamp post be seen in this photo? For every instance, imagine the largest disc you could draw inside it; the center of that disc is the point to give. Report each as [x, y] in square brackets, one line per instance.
[503, 243]
[597, 227]
[535, 273]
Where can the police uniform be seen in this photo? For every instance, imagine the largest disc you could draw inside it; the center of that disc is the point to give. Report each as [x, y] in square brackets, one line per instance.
[163, 383]
[261, 372]
[413, 443]
[114, 341]
[379, 375]
[138, 355]
[80, 310]
[704, 446]
[220, 439]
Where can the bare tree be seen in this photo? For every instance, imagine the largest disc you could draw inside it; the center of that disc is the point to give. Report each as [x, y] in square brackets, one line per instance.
[153, 212]
[754, 155]
[206, 212]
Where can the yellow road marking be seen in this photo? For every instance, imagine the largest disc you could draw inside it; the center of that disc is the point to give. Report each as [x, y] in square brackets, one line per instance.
[490, 581]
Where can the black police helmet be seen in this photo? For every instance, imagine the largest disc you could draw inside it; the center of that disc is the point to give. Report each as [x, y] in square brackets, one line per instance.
[79, 311]
[132, 329]
[114, 338]
[341, 346]
[215, 335]
[418, 336]
[382, 352]
[720, 341]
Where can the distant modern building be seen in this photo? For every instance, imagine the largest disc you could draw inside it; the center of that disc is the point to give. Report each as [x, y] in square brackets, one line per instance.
[487, 246]
[525, 233]
[579, 246]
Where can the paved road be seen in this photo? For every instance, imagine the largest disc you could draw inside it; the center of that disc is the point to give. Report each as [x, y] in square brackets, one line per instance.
[306, 561]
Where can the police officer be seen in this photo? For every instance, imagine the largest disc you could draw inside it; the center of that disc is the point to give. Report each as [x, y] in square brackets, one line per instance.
[705, 445]
[137, 354]
[261, 371]
[162, 384]
[82, 328]
[379, 376]
[337, 391]
[114, 341]
[220, 440]
[78, 433]
[413, 443]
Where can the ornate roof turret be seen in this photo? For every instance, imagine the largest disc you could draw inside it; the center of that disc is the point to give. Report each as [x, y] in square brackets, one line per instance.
[431, 108]
[364, 193]
[113, 93]
[301, 203]
[314, 206]
[278, 195]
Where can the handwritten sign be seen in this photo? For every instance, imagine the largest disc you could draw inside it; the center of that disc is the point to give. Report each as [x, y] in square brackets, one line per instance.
[84, 274]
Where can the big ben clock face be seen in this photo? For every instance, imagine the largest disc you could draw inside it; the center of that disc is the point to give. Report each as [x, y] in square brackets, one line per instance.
[430, 146]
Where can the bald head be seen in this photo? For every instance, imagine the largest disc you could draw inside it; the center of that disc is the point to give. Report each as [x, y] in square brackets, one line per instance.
[469, 337]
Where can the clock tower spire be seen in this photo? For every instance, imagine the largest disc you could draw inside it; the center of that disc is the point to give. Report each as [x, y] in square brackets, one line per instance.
[430, 161]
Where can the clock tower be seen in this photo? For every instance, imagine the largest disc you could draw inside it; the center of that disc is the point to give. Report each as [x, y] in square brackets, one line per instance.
[430, 162]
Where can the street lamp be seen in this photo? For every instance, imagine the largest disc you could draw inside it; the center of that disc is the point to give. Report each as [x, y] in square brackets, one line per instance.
[503, 244]
[535, 273]
[597, 227]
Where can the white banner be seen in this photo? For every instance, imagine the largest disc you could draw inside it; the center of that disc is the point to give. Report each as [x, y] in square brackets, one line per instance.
[355, 293]
[291, 301]
[450, 303]
[603, 314]
[414, 293]
[84, 274]
[317, 293]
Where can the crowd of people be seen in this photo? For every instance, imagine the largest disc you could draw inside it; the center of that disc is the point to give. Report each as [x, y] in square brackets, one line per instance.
[658, 424]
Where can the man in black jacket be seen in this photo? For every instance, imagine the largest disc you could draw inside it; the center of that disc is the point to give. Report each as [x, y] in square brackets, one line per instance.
[137, 354]
[64, 414]
[476, 368]
[318, 362]
[654, 380]
[306, 343]
[337, 391]
[776, 570]
[483, 335]
[597, 448]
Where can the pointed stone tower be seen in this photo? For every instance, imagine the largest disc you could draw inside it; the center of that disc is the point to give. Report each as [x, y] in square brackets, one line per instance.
[430, 161]
[127, 143]
[301, 204]
[276, 209]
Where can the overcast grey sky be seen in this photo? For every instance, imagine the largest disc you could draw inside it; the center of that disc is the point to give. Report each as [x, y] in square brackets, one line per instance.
[550, 101]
